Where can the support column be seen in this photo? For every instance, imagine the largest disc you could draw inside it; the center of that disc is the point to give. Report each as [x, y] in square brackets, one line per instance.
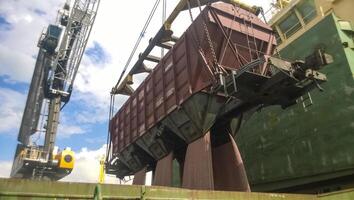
[228, 168]
[163, 171]
[198, 169]
[139, 177]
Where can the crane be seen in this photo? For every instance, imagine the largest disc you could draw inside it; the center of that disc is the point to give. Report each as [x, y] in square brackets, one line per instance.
[61, 47]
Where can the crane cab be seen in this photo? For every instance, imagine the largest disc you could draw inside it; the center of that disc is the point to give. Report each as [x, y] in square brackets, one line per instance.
[50, 39]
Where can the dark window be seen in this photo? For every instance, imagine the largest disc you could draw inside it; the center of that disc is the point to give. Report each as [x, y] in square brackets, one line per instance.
[307, 10]
[290, 25]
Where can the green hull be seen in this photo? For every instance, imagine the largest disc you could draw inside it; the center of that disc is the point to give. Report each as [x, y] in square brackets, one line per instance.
[285, 149]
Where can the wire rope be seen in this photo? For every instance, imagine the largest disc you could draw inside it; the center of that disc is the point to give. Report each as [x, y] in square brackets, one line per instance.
[140, 37]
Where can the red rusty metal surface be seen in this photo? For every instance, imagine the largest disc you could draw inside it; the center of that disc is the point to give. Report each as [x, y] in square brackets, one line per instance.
[184, 71]
[229, 171]
[198, 167]
[214, 168]
[139, 177]
[163, 171]
[241, 21]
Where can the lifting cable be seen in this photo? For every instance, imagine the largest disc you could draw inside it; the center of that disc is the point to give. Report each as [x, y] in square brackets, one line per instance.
[164, 8]
[190, 11]
[111, 111]
[112, 99]
[141, 35]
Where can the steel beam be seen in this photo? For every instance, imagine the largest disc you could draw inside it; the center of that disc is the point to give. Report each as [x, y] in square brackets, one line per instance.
[198, 167]
[163, 171]
[139, 177]
[229, 171]
[52, 125]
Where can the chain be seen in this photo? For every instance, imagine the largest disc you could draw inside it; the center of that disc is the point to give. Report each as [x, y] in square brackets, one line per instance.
[211, 46]
[210, 43]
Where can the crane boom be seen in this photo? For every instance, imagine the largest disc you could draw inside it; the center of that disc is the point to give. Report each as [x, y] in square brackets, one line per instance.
[61, 48]
[35, 99]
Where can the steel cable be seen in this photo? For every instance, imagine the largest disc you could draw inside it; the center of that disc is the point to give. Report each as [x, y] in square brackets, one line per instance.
[111, 111]
[112, 99]
[141, 35]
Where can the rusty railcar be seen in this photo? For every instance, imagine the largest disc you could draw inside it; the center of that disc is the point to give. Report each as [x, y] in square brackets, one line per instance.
[176, 93]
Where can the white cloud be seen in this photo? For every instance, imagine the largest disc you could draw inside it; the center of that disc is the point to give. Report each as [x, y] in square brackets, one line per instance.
[11, 108]
[18, 45]
[5, 169]
[66, 131]
[15, 65]
[97, 140]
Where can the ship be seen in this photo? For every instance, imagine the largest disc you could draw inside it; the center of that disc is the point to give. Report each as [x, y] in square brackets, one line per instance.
[308, 149]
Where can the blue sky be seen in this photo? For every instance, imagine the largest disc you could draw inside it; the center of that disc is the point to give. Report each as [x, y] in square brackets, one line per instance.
[83, 122]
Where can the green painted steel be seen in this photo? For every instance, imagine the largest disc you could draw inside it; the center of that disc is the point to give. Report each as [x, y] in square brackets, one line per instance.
[14, 189]
[26, 189]
[340, 195]
[282, 149]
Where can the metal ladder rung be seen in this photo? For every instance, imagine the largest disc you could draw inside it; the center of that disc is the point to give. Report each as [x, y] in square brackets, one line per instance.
[230, 84]
[306, 101]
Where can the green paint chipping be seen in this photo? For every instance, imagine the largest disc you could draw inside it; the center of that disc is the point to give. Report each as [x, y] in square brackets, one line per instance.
[283, 148]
